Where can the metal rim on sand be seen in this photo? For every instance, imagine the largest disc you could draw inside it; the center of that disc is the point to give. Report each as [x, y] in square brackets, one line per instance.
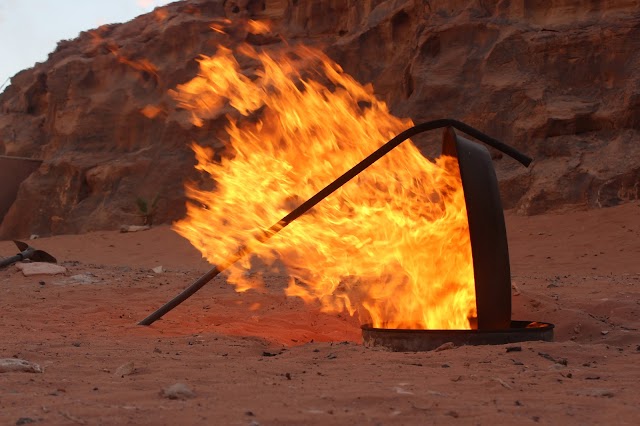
[411, 340]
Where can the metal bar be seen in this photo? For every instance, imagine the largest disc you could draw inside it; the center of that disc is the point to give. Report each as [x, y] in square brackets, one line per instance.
[325, 192]
[10, 260]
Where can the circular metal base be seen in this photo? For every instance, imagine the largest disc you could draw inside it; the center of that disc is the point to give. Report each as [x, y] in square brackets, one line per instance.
[408, 340]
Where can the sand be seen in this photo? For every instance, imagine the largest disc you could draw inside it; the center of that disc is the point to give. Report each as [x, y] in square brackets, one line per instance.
[262, 358]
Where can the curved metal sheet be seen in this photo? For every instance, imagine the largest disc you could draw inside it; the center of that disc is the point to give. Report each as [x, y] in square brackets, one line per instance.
[487, 230]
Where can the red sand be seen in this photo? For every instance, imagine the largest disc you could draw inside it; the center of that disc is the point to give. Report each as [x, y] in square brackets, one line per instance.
[263, 358]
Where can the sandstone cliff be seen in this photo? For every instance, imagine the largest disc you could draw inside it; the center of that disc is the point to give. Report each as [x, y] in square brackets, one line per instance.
[557, 79]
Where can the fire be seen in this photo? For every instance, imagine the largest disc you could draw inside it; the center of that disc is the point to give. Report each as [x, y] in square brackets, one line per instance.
[392, 245]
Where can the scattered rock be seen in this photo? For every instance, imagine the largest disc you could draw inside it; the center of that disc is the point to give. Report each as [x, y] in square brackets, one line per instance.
[445, 347]
[40, 268]
[34, 236]
[604, 332]
[125, 369]
[562, 361]
[603, 393]
[178, 391]
[267, 353]
[8, 365]
[134, 228]
[332, 356]
[453, 414]
[84, 278]
[158, 269]
[24, 421]
[514, 348]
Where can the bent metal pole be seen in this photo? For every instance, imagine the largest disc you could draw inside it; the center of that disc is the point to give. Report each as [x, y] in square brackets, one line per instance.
[325, 192]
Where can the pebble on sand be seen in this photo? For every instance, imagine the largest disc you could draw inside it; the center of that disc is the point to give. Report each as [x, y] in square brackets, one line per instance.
[14, 364]
[178, 391]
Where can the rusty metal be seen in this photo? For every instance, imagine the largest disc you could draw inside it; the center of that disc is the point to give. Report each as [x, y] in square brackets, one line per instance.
[487, 230]
[491, 269]
[325, 192]
[27, 252]
[406, 340]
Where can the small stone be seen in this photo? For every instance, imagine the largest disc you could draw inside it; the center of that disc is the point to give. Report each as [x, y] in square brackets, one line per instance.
[514, 348]
[178, 391]
[8, 365]
[503, 383]
[158, 269]
[445, 366]
[445, 347]
[157, 350]
[332, 356]
[561, 361]
[453, 414]
[41, 282]
[40, 268]
[34, 236]
[288, 376]
[604, 332]
[516, 290]
[24, 421]
[249, 413]
[125, 369]
[133, 228]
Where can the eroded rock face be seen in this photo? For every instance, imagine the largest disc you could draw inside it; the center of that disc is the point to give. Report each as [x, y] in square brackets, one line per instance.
[557, 79]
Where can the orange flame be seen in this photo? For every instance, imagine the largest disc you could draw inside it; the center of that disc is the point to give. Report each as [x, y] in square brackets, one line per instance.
[392, 245]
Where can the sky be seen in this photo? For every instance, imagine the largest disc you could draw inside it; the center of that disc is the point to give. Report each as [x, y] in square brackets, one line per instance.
[30, 29]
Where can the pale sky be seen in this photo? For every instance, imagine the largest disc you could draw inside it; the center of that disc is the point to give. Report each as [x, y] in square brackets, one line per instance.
[30, 29]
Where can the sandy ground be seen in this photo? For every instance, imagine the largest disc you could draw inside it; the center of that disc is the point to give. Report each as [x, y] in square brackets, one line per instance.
[260, 358]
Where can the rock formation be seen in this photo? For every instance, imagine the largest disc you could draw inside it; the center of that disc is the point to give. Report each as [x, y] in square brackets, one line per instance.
[557, 79]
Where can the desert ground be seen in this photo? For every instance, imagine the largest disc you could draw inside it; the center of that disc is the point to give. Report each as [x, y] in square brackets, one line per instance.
[261, 358]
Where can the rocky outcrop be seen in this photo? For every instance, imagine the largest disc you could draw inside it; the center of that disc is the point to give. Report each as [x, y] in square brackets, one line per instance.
[557, 79]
